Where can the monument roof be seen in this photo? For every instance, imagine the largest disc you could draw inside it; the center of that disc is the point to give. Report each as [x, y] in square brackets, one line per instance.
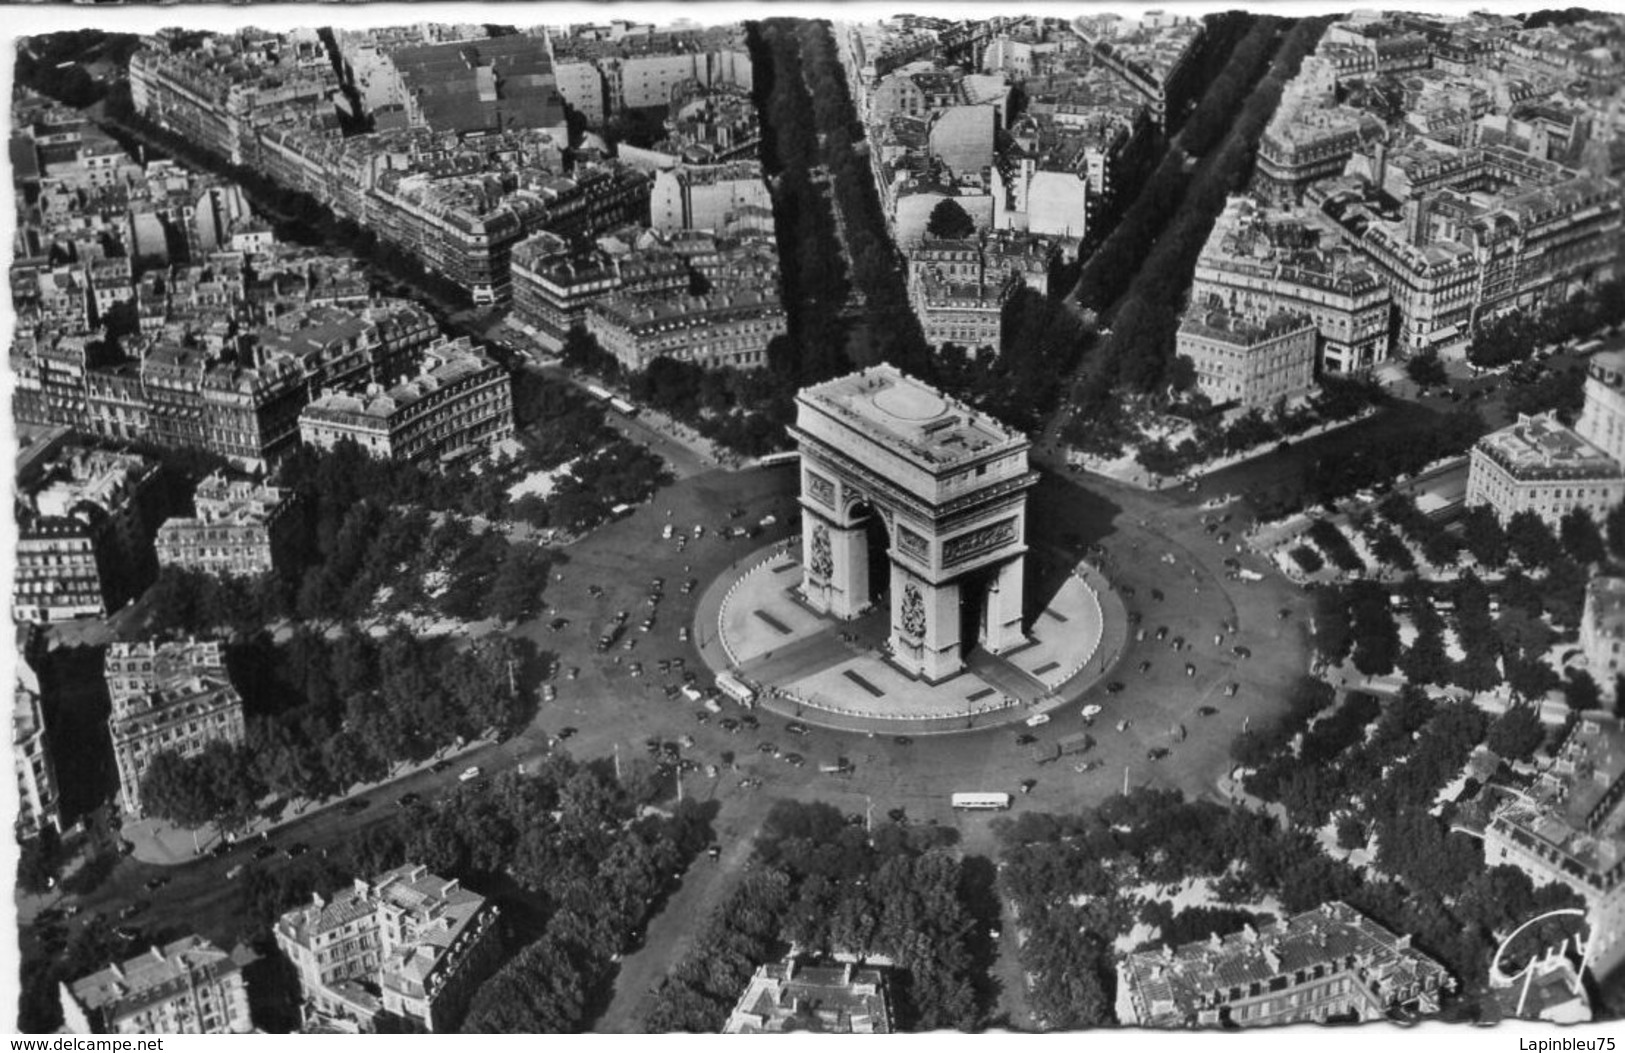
[911, 418]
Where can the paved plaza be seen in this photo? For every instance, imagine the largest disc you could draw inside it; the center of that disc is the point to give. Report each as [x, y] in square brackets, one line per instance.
[835, 672]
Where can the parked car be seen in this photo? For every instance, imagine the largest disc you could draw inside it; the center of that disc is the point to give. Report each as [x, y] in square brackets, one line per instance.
[795, 727]
[470, 774]
[1156, 753]
[1114, 687]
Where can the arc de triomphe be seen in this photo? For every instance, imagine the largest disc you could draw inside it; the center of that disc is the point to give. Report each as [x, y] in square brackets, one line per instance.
[949, 487]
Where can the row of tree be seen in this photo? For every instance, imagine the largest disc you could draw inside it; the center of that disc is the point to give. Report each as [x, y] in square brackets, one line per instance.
[822, 884]
[325, 714]
[1140, 354]
[1336, 546]
[1514, 336]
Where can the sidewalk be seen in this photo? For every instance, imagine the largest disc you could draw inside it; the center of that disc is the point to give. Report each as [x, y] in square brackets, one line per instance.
[1126, 469]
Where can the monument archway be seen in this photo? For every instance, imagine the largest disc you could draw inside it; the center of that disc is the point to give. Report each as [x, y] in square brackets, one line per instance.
[947, 485]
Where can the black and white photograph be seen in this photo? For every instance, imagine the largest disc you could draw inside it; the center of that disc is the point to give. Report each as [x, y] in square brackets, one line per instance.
[693, 518]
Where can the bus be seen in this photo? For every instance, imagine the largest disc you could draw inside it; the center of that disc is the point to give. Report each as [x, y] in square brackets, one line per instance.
[772, 460]
[980, 801]
[623, 407]
[736, 689]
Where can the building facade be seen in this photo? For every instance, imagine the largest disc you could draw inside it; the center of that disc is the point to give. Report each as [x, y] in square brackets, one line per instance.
[1602, 423]
[407, 943]
[1255, 365]
[1331, 963]
[844, 999]
[1566, 828]
[85, 536]
[241, 529]
[949, 484]
[173, 697]
[717, 330]
[720, 198]
[1539, 465]
[1260, 261]
[187, 987]
[1602, 633]
[39, 803]
[458, 407]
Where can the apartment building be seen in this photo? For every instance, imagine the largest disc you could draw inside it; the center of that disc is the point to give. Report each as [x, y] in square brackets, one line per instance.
[173, 697]
[186, 987]
[727, 329]
[458, 407]
[85, 532]
[407, 943]
[1602, 421]
[1323, 965]
[959, 289]
[722, 198]
[1247, 362]
[1566, 828]
[839, 999]
[39, 803]
[1537, 464]
[240, 529]
[481, 85]
[1310, 137]
[1259, 261]
[604, 70]
[1155, 56]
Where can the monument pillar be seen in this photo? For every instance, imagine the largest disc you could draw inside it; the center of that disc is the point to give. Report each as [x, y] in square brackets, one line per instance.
[925, 625]
[1001, 610]
[835, 566]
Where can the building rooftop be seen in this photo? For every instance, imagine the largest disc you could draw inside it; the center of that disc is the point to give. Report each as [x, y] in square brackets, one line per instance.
[1605, 603]
[1173, 986]
[1573, 807]
[442, 364]
[126, 988]
[85, 476]
[1541, 447]
[788, 996]
[1218, 323]
[911, 418]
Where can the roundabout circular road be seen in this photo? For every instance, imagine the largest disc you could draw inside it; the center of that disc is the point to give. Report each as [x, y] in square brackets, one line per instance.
[1136, 532]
